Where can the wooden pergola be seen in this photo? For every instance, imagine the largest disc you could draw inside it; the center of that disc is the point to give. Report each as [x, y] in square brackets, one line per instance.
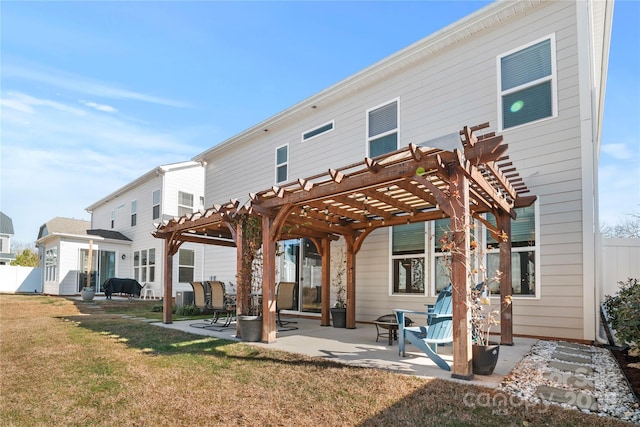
[413, 184]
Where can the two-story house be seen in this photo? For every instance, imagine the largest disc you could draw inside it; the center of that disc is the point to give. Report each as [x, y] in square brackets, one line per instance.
[535, 71]
[167, 191]
[119, 234]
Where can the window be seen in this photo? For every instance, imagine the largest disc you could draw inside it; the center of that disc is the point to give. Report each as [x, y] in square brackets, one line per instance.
[442, 274]
[186, 265]
[408, 258]
[134, 212]
[185, 203]
[51, 264]
[144, 265]
[382, 129]
[156, 204]
[523, 253]
[113, 218]
[317, 131]
[527, 84]
[282, 162]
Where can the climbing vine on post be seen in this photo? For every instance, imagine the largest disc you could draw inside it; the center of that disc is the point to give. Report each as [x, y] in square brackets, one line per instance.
[249, 272]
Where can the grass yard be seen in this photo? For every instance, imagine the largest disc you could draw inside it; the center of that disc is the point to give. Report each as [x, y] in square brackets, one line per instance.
[69, 363]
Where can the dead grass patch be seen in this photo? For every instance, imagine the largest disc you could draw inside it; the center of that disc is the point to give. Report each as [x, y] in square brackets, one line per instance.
[60, 366]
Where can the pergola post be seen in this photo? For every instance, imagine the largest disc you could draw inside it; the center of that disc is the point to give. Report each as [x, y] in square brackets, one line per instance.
[460, 224]
[325, 250]
[240, 295]
[268, 281]
[506, 312]
[167, 301]
[351, 282]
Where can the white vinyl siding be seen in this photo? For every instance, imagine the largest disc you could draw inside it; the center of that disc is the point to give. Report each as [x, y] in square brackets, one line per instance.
[527, 87]
[382, 129]
[282, 164]
[453, 87]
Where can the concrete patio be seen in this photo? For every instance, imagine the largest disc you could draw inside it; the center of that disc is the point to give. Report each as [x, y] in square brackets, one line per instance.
[358, 347]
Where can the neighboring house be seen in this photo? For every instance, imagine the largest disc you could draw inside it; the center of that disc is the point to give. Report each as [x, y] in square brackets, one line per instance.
[6, 232]
[536, 71]
[63, 246]
[164, 192]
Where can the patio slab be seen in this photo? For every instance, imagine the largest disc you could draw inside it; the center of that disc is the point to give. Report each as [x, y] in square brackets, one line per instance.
[358, 347]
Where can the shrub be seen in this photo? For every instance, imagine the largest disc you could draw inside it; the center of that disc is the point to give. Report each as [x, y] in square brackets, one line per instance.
[623, 312]
[187, 310]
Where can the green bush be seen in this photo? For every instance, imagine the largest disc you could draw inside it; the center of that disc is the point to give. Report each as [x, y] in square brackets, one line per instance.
[187, 310]
[623, 312]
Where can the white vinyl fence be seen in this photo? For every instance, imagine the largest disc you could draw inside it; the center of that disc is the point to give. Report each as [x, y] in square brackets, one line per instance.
[15, 279]
[620, 261]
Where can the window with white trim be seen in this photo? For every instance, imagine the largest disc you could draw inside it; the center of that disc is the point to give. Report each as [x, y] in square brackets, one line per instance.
[282, 163]
[527, 83]
[382, 129]
[144, 265]
[155, 204]
[51, 264]
[185, 203]
[186, 265]
[113, 218]
[327, 127]
[441, 270]
[408, 258]
[134, 213]
[523, 253]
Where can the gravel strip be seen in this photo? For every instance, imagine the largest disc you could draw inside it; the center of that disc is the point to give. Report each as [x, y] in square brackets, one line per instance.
[606, 382]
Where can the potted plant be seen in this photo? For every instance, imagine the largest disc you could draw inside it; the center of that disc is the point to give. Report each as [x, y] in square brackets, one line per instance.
[339, 309]
[250, 280]
[483, 315]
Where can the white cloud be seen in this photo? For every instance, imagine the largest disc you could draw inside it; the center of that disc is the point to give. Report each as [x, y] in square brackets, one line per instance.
[617, 151]
[81, 84]
[100, 107]
[57, 159]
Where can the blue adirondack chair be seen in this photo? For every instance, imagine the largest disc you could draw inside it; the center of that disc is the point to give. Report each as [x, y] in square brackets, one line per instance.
[438, 330]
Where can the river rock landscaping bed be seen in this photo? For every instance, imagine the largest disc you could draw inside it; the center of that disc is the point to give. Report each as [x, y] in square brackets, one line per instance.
[576, 376]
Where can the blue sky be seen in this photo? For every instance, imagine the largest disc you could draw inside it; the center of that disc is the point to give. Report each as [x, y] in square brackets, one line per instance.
[95, 94]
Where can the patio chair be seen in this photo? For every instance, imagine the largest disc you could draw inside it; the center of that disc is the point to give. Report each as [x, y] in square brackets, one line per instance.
[285, 300]
[439, 329]
[200, 297]
[221, 303]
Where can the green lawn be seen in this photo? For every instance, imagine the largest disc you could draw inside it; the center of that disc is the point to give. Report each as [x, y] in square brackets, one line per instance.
[68, 363]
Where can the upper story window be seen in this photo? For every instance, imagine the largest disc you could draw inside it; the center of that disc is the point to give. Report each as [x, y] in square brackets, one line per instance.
[134, 213]
[408, 258]
[156, 204]
[185, 203]
[317, 131]
[527, 83]
[113, 218]
[382, 129]
[282, 163]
